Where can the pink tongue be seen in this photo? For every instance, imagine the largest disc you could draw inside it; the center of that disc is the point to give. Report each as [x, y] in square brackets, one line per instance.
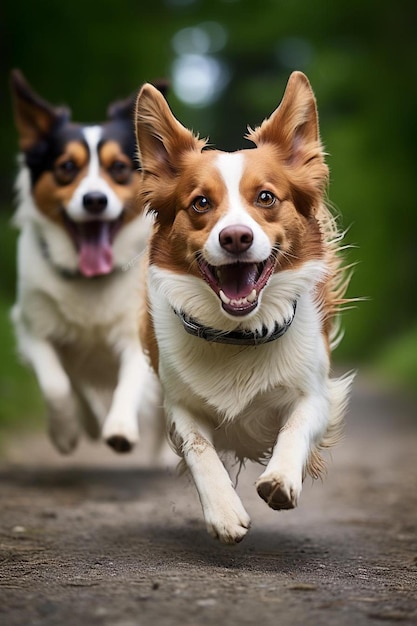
[238, 280]
[95, 251]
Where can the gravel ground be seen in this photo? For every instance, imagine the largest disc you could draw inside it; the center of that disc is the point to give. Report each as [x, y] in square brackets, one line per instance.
[98, 539]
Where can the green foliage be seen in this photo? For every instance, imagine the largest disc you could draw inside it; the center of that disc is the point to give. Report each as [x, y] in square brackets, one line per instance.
[20, 401]
[20, 398]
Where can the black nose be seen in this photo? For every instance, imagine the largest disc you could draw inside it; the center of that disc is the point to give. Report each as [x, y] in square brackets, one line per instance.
[95, 202]
[236, 239]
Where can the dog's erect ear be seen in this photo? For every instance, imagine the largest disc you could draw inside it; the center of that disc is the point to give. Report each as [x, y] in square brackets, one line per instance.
[293, 126]
[125, 109]
[122, 109]
[160, 136]
[162, 85]
[34, 117]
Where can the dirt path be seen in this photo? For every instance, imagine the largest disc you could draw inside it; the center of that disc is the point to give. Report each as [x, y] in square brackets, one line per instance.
[96, 539]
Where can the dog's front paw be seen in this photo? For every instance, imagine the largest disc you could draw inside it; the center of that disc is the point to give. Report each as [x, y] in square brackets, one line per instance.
[230, 524]
[120, 443]
[63, 424]
[279, 492]
[120, 435]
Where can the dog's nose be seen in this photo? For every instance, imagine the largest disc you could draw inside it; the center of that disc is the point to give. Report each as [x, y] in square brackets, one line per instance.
[236, 239]
[95, 202]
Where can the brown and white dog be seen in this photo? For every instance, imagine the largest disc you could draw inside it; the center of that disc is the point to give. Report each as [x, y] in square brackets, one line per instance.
[82, 231]
[244, 283]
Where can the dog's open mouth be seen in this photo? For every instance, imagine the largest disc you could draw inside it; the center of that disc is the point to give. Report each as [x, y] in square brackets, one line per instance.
[93, 240]
[238, 285]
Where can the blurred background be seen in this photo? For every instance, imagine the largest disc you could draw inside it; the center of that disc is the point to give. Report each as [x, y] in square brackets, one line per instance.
[228, 62]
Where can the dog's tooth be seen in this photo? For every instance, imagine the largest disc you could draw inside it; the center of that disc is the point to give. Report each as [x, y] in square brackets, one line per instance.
[224, 298]
[240, 302]
[252, 296]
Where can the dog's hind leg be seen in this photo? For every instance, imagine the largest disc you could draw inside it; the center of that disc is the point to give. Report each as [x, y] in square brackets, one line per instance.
[281, 482]
[225, 517]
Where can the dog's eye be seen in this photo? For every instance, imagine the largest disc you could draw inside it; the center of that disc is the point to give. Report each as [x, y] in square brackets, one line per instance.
[201, 204]
[265, 199]
[120, 172]
[65, 172]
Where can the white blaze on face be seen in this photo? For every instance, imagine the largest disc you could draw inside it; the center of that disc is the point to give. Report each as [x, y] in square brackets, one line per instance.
[93, 181]
[231, 167]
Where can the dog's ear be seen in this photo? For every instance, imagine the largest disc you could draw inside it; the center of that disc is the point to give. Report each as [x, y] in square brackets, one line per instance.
[125, 109]
[34, 117]
[293, 126]
[162, 85]
[161, 138]
[122, 109]
[294, 130]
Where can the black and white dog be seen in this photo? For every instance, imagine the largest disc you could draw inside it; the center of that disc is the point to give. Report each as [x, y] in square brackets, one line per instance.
[82, 231]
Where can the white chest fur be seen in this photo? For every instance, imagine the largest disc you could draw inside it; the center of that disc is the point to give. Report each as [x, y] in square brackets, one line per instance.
[226, 380]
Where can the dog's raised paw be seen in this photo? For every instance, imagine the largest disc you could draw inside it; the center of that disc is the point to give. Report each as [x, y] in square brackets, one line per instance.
[278, 493]
[119, 444]
[63, 425]
[64, 435]
[120, 435]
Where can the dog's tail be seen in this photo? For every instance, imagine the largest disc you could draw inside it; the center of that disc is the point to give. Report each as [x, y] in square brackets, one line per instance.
[339, 389]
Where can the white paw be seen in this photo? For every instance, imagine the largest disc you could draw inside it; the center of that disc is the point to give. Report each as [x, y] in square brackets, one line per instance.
[278, 491]
[228, 523]
[63, 425]
[121, 435]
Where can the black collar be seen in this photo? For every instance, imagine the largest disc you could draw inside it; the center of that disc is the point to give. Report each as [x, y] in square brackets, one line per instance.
[61, 271]
[235, 337]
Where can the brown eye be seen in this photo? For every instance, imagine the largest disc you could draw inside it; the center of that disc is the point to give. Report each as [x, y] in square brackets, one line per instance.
[265, 199]
[65, 172]
[120, 172]
[201, 204]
